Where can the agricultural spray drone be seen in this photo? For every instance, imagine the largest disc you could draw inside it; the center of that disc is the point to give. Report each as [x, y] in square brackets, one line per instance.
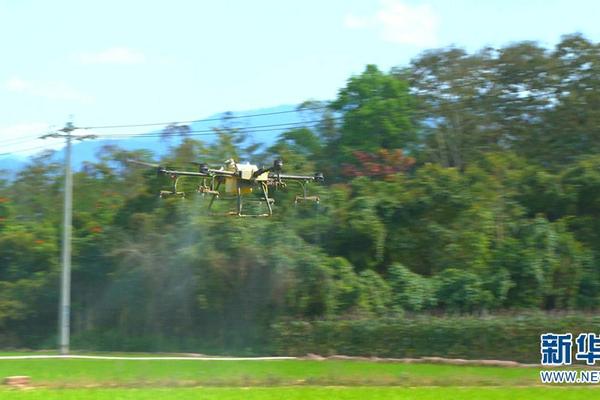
[238, 182]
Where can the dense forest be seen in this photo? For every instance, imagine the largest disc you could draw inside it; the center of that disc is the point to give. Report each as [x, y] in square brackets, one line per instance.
[461, 184]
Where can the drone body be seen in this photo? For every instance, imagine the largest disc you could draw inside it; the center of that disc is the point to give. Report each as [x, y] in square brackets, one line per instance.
[237, 181]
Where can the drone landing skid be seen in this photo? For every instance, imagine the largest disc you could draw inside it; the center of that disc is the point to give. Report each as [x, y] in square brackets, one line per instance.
[235, 214]
[304, 197]
[300, 199]
[240, 202]
[167, 193]
[173, 192]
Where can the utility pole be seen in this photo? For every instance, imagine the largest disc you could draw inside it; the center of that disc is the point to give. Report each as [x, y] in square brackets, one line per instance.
[64, 313]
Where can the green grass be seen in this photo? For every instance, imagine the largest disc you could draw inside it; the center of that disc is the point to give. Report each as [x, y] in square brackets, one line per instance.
[72, 379]
[303, 393]
[79, 372]
[88, 353]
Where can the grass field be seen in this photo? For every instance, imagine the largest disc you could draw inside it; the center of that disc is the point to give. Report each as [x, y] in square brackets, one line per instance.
[305, 393]
[281, 379]
[77, 373]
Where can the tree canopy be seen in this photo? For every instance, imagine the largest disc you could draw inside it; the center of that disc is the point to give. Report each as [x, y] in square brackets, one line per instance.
[461, 184]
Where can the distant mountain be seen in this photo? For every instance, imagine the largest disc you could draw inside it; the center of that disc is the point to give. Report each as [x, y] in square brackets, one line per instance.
[269, 123]
[266, 118]
[10, 165]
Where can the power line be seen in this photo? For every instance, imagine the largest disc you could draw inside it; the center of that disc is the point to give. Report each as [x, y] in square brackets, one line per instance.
[201, 132]
[25, 150]
[188, 134]
[209, 132]
[20, 140]
[224, 118]
[44, 136]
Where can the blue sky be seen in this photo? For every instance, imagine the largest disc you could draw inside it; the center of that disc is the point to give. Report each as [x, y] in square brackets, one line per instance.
[111, 62]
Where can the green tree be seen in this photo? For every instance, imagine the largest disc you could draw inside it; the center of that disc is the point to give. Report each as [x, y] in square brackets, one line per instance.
[411, 291]
[376, 110]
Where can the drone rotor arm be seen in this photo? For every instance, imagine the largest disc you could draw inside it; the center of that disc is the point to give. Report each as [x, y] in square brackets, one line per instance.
[318, 177]
[173, 172]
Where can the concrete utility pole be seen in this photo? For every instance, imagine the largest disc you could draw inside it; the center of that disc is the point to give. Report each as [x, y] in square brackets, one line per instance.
[65, 281]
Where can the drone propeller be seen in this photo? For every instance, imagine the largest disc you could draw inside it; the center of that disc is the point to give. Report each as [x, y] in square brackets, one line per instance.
[145, 164]
[160, 169]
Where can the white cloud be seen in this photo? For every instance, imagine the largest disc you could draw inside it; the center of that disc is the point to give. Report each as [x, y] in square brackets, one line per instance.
[114, 55]
[49, 90]
[400, 23]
